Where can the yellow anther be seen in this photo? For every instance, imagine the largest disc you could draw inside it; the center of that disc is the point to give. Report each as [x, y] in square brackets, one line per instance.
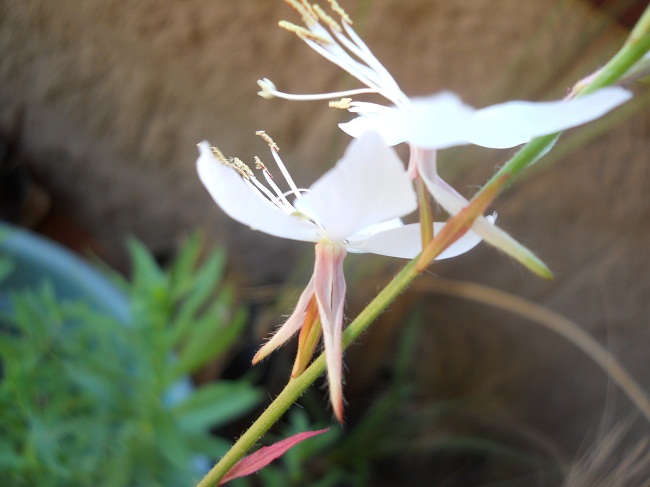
[268, 140]
[329, 21]
[260, 166]
[239, 166]
[337, 9]
[220, 157]
[304, 10]
[302, 32]
[309, 9]
[342, 104]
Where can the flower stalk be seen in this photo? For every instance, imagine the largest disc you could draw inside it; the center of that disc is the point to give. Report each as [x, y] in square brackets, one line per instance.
[635, 47]
[298, 385]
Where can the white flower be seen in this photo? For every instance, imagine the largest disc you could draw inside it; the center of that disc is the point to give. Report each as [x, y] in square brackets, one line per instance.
[438, 121]
[443, 120]
[355, 207]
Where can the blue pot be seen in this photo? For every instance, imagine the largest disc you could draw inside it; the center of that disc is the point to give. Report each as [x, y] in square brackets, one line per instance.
[38, 260]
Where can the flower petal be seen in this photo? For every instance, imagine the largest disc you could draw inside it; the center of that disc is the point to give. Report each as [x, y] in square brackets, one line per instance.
[438, 121]
[290, 327]
[368, 185]
[388, 123]
[329, 285]
[376, 228]
[241, 203]
[453, 202]
[516, 122]
[406, 242]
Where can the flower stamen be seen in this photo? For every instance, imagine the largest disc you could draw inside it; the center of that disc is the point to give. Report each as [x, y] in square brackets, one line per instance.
[338, 43]
[268, 140]
[269, 91]
[304, 10]
[302, 32]
[339, 10]
[283, 169]
[326, 19]
[239, 166]
[342, 104]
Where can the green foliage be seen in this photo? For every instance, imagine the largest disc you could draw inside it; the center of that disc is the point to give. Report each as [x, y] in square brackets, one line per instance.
[86, 400]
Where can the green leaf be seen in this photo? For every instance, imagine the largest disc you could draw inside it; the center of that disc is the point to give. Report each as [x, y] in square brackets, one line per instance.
[209, 339]
[210, 445]
[216, 404]
[6, 267]
[183, 267]
[146, 270]
[203, 288]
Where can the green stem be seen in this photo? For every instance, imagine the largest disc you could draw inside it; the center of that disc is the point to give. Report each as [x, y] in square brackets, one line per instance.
[296, 387]
[635, 47]
[426, 214]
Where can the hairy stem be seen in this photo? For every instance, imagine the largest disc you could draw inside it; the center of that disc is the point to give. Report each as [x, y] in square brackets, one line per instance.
[297, 386]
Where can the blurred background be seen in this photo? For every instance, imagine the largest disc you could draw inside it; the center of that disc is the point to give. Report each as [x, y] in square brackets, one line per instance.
[102, 104]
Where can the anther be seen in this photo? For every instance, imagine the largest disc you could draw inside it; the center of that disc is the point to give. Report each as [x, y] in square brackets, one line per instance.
[220, 157]
[268, 140]
[342, 104]
[239, 166]
[302, 32]
[304, 10]
[329, 21]
[337, 8]
[260, 166]
[309, 9]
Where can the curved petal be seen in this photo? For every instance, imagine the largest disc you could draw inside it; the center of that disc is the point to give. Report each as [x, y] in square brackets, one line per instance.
[290, 327]
[368, 186]
[406, 242]
[245, 205]
[329, 287]
[516, 122]
[438, 121]
[390, 125]
[377, 228]
[453, 203]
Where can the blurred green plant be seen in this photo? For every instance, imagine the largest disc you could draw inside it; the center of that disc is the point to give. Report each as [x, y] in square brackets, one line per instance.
[88, 400]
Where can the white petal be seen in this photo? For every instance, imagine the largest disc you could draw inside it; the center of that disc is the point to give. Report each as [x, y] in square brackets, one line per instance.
[516, 122]
[246, 206]
[387, 121]
[453, 203]
[438, 121]
[377, 228]
[369, 185]
[406, 242]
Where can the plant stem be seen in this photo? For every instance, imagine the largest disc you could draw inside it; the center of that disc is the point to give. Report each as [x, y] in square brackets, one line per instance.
[635, 47]
[297, 386]
[426, 214]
